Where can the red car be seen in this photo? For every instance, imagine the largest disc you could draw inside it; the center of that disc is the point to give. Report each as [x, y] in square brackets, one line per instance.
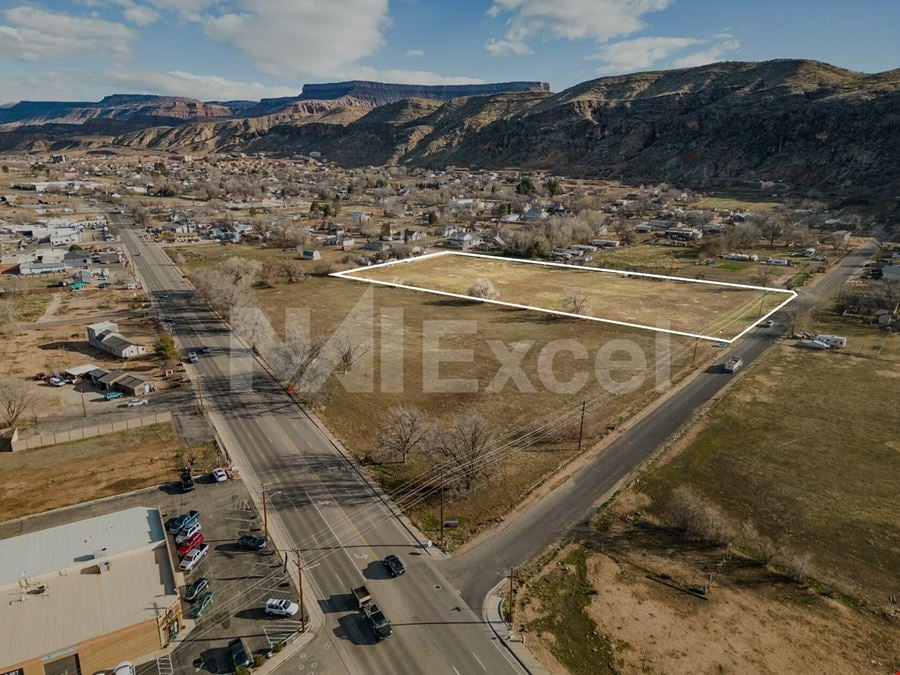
[191, 544]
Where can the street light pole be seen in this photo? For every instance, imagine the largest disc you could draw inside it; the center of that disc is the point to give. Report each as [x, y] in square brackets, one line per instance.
[262, 487]
[300, 579]
[442, 507]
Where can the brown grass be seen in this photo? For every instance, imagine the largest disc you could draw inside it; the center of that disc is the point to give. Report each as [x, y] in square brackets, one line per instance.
[32, 481]
[690, 307]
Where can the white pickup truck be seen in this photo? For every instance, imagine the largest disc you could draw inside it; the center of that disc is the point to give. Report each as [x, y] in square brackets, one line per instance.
[733, 364]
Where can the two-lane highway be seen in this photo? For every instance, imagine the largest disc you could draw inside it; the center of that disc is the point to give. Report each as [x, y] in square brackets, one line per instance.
[331, 514]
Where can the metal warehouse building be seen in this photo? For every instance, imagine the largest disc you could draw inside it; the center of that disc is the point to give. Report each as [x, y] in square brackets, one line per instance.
[82, 597]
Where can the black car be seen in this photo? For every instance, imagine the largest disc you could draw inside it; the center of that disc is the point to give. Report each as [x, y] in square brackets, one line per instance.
[204, 349]
[187, 482]
[248, 542]
[394, 565]
[196, 589]
[239, 655]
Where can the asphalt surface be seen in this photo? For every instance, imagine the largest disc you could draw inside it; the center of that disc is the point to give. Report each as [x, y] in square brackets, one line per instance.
[339, 524]
[574, 502]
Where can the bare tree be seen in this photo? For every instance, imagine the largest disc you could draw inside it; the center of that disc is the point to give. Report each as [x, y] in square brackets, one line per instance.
[484, 289]
[764, 549]
[242, 270]
[218, 289]
[772, 227]
[763, 276]
[624, 232]
[293, 271]
[404, 432]
[697, 516]
[799, 565]
[465, 444]
[577, 302]
[15, 398]
[348, 353]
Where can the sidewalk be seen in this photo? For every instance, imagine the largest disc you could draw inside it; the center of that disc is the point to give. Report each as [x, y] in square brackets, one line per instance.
[514, 643]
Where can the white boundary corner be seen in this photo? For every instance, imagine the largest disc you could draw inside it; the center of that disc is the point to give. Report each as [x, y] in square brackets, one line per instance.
[351, 274]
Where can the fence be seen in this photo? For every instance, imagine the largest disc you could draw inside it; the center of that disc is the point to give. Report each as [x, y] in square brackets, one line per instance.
[52, 438]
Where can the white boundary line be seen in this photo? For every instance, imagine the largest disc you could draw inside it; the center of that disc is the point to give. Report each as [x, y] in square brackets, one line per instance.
[350, 274]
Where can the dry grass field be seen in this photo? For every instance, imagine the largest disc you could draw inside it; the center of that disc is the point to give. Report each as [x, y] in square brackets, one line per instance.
[32, 481]
[689, 307]
[815, 466]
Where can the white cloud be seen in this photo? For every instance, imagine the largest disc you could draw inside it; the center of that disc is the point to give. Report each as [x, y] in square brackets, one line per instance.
[710, 55]
[140, 15]
[35, 35]
[180, 83]
[517, 47]
[190, 10]
[291, 38]
[598, 20]
[640, 53]
[415, 53]
[628, 56]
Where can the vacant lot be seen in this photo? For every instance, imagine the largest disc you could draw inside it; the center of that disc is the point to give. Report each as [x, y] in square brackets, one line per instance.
[356, 417]
[720, 311]
[32, 481]
[594, 608]
[805, 446]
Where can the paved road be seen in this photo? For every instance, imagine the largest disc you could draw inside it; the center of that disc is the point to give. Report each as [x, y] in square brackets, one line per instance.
[478, 570]
[331, 514]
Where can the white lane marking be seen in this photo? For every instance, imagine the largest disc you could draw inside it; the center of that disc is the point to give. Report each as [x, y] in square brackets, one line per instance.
[455, 670]
[479, 661]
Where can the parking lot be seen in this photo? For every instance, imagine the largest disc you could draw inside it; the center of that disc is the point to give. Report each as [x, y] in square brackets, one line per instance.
[241, 581]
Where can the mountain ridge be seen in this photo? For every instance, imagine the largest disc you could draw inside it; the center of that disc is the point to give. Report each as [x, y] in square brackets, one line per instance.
[810, 125]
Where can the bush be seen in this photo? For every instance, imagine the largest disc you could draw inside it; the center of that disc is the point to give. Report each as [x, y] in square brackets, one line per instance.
[697, 516]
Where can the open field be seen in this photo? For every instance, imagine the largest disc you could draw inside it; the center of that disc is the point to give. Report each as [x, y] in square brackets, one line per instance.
[737, 203]
[32, 481]
[356, 418]
[687, 307]
[817, 463]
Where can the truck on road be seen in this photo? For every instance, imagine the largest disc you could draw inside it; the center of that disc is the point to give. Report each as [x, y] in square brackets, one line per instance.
[376, 619]
[733, 364]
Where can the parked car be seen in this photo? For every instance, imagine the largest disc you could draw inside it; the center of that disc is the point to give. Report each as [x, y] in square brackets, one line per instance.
[219, 475]
[111, 395]
[56, 382]
[196, 589]
[180, 522]
[193, 358]
[202, 604]
[187, 481]
[239, 655]
[394, 565]
[276, 607]
[204, 349]
[124, 668]
[248, 542]
[189, 545]
[40, 377]
[188, 532]
[193, 558]
[135, 402]
[768, 323]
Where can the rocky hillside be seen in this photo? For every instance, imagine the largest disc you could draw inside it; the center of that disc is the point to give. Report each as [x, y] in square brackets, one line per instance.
[381, 93]
[804, 123]
[149, 109]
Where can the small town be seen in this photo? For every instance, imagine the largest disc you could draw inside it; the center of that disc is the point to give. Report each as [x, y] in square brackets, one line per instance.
[462, 375]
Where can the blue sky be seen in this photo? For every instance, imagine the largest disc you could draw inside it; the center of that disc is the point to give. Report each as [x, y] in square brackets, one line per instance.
[225, 49]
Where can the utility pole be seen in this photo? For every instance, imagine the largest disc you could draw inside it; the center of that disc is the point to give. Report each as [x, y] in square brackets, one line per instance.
[442, 507]
[581, 426]
[512, 603]
[300, 579]
[262, 487]
[83, 405]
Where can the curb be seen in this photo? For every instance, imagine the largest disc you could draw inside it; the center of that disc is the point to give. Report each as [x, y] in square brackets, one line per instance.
[492, 616]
